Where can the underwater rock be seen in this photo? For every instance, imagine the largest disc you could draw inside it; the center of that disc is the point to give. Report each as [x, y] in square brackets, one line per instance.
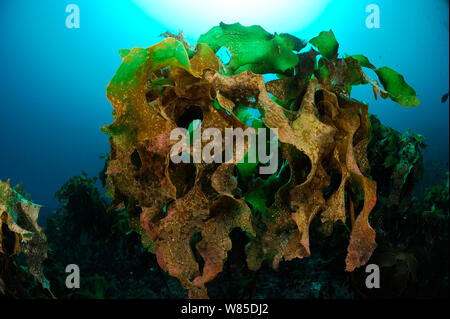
[321, 130]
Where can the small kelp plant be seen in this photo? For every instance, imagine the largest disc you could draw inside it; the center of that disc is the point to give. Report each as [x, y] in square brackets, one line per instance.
[20, 233]
[185, 212]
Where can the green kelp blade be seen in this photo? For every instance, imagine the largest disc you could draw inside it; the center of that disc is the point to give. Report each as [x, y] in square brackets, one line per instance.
[134, 120]
[124, 52]
[257, 195]
[249, 115]
[138, 62]
[245, 168]
[326, 43]
[324, 73]
[399, 90]
[252, 48]
[252, 118]
[363, 60]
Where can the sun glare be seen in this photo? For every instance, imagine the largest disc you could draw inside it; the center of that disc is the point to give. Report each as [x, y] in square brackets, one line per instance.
[195, 17]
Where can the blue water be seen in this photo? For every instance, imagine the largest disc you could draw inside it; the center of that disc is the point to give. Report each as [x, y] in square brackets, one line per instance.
[53, 79]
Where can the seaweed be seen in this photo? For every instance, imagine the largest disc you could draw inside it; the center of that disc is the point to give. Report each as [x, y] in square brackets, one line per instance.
[344, 187]
[253, 48]
[347, 72]
[20, 234]
[322, 132]
[412, 237]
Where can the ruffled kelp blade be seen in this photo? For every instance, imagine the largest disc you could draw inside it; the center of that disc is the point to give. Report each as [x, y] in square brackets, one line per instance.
[327, 44]
[394, 83]
[398, 89]
[319, 129]
[134, 119]
[252, 48]
[363, 60]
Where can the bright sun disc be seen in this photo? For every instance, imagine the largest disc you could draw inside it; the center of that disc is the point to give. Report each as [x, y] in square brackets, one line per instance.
[195, 17]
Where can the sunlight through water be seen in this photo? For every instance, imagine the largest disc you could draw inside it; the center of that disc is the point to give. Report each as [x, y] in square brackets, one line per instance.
[197, 16]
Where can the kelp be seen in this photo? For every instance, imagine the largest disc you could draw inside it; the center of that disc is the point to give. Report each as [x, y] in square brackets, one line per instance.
[253, 48]
[20, 233]
[346, 72]
[321, 132]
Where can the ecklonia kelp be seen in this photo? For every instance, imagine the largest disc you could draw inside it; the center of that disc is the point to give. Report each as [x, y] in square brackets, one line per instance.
[229, 213]
[331, 140]
[320, 129]
[352, 122]
[362, 239]
[172, 234]
[135, 120]
[186, 217]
